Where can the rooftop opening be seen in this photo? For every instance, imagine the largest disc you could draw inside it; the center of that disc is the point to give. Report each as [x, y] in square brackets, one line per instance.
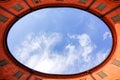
[60, 40]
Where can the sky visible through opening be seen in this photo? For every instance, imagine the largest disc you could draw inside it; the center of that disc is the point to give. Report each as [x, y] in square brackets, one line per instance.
[60, 40]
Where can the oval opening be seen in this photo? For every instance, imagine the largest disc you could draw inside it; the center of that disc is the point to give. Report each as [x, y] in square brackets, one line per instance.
[60, 40]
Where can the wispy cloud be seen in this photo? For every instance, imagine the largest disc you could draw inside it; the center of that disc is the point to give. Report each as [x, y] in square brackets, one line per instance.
[106, 35]
[37, 52]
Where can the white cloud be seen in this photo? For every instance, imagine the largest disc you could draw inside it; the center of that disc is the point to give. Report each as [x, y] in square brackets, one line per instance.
[84, 40]
[106, 35]
[37, 52]
[85, 44]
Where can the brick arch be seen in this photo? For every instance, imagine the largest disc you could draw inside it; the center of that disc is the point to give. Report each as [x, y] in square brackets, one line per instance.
[106, 10]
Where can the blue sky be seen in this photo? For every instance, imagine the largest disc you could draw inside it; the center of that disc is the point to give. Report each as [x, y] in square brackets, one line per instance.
[60, 40]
